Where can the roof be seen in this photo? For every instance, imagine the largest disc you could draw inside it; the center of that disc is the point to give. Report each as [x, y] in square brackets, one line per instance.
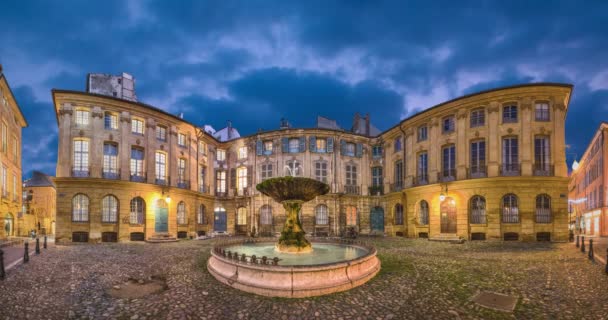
[39, 179]
[227, 133]
[17, 110]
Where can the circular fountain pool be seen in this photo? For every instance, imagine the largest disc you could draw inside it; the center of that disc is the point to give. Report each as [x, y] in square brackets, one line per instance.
[330, 267]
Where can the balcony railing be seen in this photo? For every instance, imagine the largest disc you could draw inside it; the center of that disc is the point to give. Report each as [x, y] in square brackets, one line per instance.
[162, 181]
[510, 169]
[221, 194]
[81, 172]
[543, 169]
[242, 192]
[183, 184]
[376, 190]
[479, 171]
[397, 186]
[352, 190]
[138, 177]
[421, 180]
[203, 188]
[111, 173]
[446, 175]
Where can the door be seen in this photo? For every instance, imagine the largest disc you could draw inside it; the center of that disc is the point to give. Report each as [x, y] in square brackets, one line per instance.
[220, 221]
[161, 217]
[377, 219]
[8, 225]
[448, 216]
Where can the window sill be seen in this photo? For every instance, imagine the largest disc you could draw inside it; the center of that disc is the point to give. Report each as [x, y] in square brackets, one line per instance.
[137, 134]
[80, 222]
[106, 223]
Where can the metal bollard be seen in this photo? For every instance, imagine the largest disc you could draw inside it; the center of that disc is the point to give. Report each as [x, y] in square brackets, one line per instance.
[26, 254]
[37, 245]
[590, 249]
[577, 241]
[44, 245]
[2, 273]
[583, 244]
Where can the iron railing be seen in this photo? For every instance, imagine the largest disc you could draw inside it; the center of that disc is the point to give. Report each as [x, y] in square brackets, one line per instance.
[479, 171]
[81, 172]
[352, 190]
[510, 169]
[138, 177]
[446, 175]
[397, 186]
[111, 173]
[543, 169]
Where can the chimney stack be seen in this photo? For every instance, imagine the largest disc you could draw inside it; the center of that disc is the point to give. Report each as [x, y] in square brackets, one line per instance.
[0, 67]
[229, 126]
[367, 126]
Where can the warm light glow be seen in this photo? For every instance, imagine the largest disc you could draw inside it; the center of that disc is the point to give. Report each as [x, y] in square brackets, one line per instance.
[168, 199]
[442, 197]
[575, 165]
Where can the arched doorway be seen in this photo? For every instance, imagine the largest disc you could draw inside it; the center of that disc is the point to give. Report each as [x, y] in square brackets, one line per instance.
[377, 219]
[9, 225]
[448, 215]
[161, 216]
[220, 220]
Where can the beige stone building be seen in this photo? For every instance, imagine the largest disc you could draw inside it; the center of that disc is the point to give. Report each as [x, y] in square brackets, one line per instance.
[489, 165]
[12, 220]
[40, 200]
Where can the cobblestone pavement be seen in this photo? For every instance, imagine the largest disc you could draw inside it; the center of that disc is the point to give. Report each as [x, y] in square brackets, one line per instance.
[419, 280]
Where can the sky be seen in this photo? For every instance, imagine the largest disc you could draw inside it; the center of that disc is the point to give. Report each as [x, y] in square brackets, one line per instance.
[255, 62]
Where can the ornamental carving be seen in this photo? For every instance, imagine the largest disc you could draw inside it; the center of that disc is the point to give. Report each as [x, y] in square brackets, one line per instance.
[510, 130]
[409, 132]
[493, 109]
[476, 134]
[125, 118]
[150, 124]
[98, 114]
[64, 111]
[526, 106]
[461, 114]
[111, 137]
[81, 133]
[162, 147]
[559, 106]
[137, 141]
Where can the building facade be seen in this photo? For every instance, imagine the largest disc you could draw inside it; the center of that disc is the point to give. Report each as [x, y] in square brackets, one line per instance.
[490, 165]
[587, 204]
[12, 220]
[40, 200]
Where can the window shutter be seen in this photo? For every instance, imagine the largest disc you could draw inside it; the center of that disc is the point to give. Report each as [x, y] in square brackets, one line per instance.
[250, 178]
[342, 147]
[215, 185]
[285, 145]
[259, 147]
[312, 144]
[330, 144]
[233, 178]
[359, 151]
[302, 144]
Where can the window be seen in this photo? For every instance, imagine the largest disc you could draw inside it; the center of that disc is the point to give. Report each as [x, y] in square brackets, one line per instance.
[422, 169]
[81, 158]
[351, 215]
[181, 213]
[266, 215]
[399, 174]
[82, 118]
[542, 155]
[510, 209]
[321, 171]
[110, 121]
[110, 161]
[509, 114]
[449, 161]
[137, 211]
[181, 172]
[4, 137]
[202, 179]
[201, 217]
[137, 126]
[541, 111]
[349, 149]
[137, 164]
[4, 182]
[448, 124]
[294, 145]
[220, 155]
[423, 215]
[220, 181]
[399, 214]
[321, 215]
[109, 209]
[243, 153]
[202, 148]
[398, 144]
[15, 195]
[422, 133]
[293, 168]
[478, 118]
[268, 147]
[377, 176]
[181, 139]
[510, 159]
[321, 145]
[351, 175]
[478, 157]
[15, 150]
[543, 209]
[266, 171]
[161, 133]
[241, 174]
[80, 208]
[478, 209]
[161, 167]
[377, 151]
[241, 216]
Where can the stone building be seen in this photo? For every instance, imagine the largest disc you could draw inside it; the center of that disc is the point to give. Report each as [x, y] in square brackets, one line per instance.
[12, 219]
[587, 193]
[40, 200]
[489, 165]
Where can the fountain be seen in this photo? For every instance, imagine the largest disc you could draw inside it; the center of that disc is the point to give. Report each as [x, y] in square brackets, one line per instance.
[293, 266]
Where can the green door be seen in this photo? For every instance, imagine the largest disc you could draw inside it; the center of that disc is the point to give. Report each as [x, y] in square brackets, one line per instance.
[377, 219]
[161, 220]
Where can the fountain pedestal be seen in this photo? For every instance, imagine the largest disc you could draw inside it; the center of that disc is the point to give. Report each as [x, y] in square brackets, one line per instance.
[293, 238]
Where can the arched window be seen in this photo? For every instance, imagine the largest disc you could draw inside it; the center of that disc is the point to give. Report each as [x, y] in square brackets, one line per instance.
[424, 213]
[201, 217]
[181, 213]
[241, 216]
[351, 215]
[510, 209]
[266, 215]
[543, 208]
[80, 208]
[109, 209]
[399, 214]
[321, 215]
[478, 209]
[137, 211]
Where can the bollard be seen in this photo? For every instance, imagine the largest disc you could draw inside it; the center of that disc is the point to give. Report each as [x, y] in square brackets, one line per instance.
[577, 245]
[583, 244]
[590, 249]
[44, 245]
[2, 273]
[37, 245]
[571, 236]
[26, 254]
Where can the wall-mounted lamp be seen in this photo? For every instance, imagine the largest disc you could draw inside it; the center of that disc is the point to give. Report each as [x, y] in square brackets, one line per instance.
[166, 196]
[442, 196]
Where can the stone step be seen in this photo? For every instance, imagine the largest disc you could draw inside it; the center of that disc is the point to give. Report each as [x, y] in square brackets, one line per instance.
[161, 238]
[451, 238]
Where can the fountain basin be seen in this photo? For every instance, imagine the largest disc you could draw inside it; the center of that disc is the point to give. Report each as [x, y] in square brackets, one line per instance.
[329, 268]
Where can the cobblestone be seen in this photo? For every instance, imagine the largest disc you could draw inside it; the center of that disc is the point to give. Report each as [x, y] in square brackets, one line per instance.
[419, 280]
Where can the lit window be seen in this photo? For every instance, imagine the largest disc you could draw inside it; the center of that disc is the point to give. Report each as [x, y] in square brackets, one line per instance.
[321, 171]
[80, 208]
[181, 213]
[422, 133]
[351, 215]
[478, 209]
[81, 158]
[137, 126]
[137, 211]
[267, 147]
[161, 167]
[266, 171]
[161, 133]
[241, 216]
[4, 137]
[321, 215]
[243, 153]
[109, 209]
[15, 150]
[181, 173]
[377, 176]
[351, 175]
[110, 161]
[110, 121]
[202, 148]
[321, 145]
[241, 178]
[266, 215]
[221, 155]
[510, 209]
[220, 181]
[294, 145]
[349, 149]
[82, 118]
[137, 163]
[181, 140]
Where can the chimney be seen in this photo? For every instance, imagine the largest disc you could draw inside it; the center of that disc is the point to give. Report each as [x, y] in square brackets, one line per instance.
[229, 126]
[356, 119]
[0, 68]
[284, 124]
[367, 126]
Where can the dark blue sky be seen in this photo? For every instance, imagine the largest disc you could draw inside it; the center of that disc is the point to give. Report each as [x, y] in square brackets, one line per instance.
[254, 62]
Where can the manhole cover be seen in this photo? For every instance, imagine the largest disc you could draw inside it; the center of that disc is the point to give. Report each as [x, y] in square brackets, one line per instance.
[496, 301]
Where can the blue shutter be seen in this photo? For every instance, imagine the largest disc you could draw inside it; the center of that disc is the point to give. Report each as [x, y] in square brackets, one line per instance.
[302, 144]
[359, 151]
[330, 144]
[285, 147]
[259, 147]
[312, 144]
[343, 147]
